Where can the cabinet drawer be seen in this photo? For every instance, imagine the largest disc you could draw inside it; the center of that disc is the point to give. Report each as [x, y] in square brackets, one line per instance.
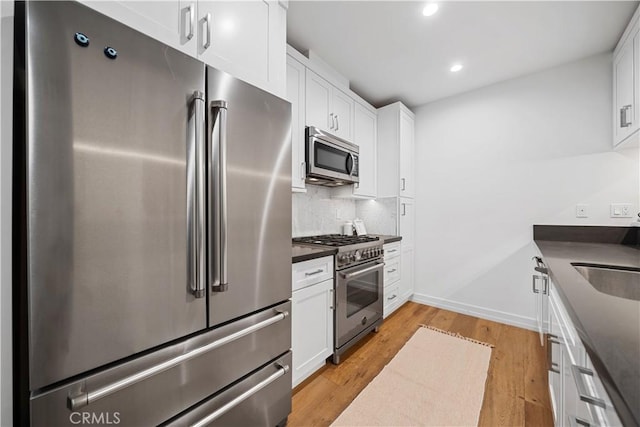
[152, 399]
[392, 271]
[263, 398]
[391, 250]
[568, 333]
[310, 272]
[606, 416]
[391, 299]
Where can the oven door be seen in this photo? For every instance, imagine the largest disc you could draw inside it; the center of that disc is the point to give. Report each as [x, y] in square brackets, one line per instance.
[358, 299]
[328, 158]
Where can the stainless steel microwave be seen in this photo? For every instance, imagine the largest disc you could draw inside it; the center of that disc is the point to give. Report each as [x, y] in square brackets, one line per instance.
[331, 161]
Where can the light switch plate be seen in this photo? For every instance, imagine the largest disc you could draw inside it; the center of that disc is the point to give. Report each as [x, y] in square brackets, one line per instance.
[621, 210]
[582, 211]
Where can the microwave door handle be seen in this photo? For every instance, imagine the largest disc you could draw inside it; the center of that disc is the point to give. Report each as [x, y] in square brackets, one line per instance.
[196, 198]
[218, 212]
[350, 163]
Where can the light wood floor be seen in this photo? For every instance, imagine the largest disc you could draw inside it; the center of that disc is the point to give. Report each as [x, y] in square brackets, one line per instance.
[516, 391]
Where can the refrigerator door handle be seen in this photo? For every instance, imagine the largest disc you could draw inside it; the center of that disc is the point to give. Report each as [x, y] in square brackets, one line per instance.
[282, 370]
[77, 401]
[196, 199]
[218, 257]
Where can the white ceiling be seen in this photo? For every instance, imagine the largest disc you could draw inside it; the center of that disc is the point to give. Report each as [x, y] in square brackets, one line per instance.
[389, 51]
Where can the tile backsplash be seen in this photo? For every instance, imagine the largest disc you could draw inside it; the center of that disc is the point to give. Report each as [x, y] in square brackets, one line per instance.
[317, 212]
[379, 216]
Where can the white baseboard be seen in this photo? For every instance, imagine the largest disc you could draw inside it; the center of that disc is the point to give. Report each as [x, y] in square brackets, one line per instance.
[474, 310]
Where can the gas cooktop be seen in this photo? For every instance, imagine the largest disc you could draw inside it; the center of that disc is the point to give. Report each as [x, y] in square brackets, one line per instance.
[351, 249]
[335, 240]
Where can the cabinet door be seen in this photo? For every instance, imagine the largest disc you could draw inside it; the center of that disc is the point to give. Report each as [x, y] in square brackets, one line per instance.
[318, 102]
[167, 21]
[342, 106]
[233, 36]
[407, 146]
[624, 114]
[296, 96]
[407, 222]
[555, 368]
[392, 298]
[312, 328]
[364, 136]
[541, 292]
[406, 275]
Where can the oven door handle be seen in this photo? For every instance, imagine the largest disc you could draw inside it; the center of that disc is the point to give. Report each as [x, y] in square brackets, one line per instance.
[366, 270]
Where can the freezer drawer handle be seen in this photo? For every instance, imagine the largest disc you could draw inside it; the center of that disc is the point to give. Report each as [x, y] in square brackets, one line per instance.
[583, 393]
[83, 399]
[282, 370]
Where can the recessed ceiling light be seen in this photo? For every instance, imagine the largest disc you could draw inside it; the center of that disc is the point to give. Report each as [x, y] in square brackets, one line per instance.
[455, 68]
[430, 9]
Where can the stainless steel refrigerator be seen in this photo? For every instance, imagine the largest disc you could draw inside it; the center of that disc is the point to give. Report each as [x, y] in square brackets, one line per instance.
[152, 231]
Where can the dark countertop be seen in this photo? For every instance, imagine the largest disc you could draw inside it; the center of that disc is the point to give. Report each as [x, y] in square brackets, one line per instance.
[304, 253]
[387, 238]
[608, 326]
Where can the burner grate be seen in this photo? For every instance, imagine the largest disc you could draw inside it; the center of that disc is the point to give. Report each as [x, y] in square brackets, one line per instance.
[335, 240]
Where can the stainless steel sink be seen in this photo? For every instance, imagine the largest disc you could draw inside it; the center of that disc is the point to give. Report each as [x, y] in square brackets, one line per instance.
[617, 281]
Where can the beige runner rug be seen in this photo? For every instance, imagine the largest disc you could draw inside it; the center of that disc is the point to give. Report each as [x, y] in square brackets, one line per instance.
[436, 379]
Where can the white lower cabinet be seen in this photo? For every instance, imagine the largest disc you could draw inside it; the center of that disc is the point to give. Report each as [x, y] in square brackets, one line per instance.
[393, 274]
[311, 317]
[577, 395]
[407, 279]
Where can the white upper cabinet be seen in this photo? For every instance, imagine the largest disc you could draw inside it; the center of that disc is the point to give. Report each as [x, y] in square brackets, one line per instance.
[328, 108]
[342, 107]
[626, 85]
[318, 102]
[246, 39]
[296, 96]
[171, 22]
[396, 147]
[240, 37]
[407, 151]
[364, 136]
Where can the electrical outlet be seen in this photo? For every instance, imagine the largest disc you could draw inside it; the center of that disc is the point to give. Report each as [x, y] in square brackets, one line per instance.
[621, 210]
[582, 211]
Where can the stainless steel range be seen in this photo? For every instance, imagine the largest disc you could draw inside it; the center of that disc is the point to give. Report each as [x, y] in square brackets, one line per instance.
[358, 286]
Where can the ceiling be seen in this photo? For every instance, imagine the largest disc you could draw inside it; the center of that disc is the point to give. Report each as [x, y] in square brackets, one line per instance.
[391, 52]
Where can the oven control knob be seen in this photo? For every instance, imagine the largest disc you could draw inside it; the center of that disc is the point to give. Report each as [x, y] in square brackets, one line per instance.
[343, 258]
[357, 255]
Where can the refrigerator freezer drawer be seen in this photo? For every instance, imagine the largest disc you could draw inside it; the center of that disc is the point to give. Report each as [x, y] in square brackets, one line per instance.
[157, 386]
[261, 399]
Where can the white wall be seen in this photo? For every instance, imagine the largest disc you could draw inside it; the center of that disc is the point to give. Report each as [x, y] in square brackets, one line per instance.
[492, 162]
[6, 79]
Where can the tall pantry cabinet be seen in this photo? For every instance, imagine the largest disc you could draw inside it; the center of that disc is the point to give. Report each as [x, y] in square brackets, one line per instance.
[396, 178]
